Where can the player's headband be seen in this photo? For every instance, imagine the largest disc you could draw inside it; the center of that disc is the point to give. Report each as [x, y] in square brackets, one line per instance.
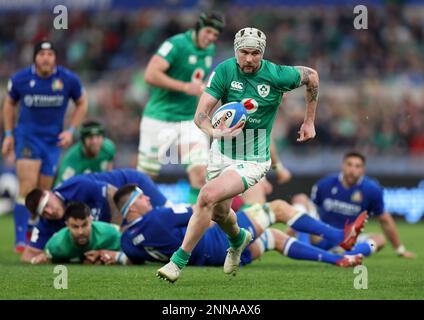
[92, 129]
[42, 46]
[43, 202]
[213, 20]
[134, 195]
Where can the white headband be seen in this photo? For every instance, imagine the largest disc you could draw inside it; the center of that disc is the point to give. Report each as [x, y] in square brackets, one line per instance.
[42, 203]
[134, 195]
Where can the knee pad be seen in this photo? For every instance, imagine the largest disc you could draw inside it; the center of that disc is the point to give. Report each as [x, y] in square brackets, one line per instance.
[262, 215]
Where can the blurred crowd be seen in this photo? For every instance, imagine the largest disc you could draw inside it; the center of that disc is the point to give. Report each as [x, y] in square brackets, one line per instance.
[371, 95]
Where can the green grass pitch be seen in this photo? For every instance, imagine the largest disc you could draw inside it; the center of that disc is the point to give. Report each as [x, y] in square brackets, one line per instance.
[272, 277]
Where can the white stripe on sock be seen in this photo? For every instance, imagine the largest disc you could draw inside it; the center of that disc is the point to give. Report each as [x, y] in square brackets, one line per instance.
[289, 243]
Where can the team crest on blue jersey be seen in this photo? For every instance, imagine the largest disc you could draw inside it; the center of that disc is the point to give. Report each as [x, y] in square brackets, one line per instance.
[356, 196]
[263, 90]
[57, 85]
[32, 83]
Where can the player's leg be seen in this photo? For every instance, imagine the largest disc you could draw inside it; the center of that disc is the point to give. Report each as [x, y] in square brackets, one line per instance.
[156, 137]
[194, 150]
[211, 203]
[257, 193]
[274, 239]
[303, 222]
[27, 171]
[368, 244]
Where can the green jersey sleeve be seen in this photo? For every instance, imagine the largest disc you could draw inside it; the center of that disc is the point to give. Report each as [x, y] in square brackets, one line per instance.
[110, 149]
[216, 83]
[169, 50]
[288, 78]
[58, 247]
[107, 236]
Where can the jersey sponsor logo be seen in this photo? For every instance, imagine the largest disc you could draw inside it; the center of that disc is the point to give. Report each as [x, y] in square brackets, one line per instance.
[250, 104]
[208, 61]
[165, 48]
[341, 207]
[39, 100]
[263, 90]
[253, 120]
[192, 59]
[198, 74]
[32, 83]
[57, 85]
[235, 85]
[356, 196]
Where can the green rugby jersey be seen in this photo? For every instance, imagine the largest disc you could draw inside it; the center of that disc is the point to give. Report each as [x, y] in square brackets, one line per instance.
[75, 162]
[62, 248]
[261, 92]
[186, 62]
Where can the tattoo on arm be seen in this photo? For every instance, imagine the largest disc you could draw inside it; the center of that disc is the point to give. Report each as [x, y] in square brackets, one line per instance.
[312, 93]
[201, 117]
[306, 73]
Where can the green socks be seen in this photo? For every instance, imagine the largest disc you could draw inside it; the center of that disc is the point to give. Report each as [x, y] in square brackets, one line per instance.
[238, 239]
[180, 258]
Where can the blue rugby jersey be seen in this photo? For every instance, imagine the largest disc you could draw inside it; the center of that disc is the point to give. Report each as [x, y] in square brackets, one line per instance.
[43, 101]
[337, 204]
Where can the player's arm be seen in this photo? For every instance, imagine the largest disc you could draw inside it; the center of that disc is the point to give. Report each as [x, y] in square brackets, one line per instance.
[34, 256]
[389, 228]
[309, 78]
[206, 103]
[155, 75]
[116, 217]
[283, 174]
[81, 107]
[8, 122]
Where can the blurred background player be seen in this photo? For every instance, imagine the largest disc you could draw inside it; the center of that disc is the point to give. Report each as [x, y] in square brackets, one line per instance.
[162, 230]
[43, 91]
[232, 168]
[82, 239]
[339, 198]
[176, 74]
[93, 153]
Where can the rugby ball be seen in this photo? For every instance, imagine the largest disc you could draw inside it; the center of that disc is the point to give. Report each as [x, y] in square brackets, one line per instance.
[233, 112]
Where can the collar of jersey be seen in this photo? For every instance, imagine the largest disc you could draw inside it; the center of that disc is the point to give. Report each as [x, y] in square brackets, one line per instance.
[132, 223]
[35, 73]
[356, 184]
[249, 75]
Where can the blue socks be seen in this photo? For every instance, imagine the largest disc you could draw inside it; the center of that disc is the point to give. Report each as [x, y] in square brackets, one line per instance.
[304, 223]
[21, 217]
[297, 250]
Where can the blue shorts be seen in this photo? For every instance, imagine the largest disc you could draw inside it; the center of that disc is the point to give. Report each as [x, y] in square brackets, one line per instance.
[212, 248]
[27, 147]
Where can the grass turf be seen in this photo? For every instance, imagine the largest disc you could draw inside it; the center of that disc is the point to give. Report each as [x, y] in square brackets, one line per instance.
[271, 277]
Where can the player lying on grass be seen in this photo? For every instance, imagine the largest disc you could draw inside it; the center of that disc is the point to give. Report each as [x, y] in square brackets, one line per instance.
[82, 240]
[94, 189]
[339, 198]
[153, 234]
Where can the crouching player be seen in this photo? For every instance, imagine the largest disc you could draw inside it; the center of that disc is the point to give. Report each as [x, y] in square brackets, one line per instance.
[82, 240]
[154, 234]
